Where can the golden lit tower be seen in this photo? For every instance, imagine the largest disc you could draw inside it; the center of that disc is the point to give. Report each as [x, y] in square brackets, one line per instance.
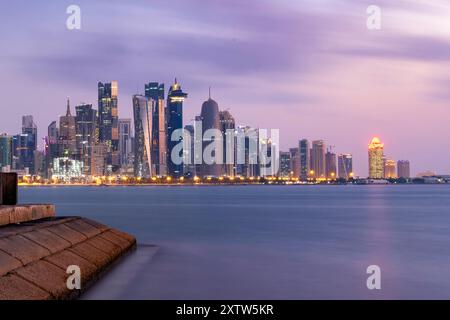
[376, 165]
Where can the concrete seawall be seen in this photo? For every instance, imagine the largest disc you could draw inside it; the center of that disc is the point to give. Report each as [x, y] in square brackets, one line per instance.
[36, 248]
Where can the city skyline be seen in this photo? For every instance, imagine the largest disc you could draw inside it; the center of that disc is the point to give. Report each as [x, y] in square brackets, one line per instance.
[394, 90]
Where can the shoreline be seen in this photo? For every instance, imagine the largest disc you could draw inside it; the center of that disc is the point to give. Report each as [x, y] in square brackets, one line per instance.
[222, 185]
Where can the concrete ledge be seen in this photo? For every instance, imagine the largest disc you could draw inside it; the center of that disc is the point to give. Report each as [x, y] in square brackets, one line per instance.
[34, 256]
[24, 213]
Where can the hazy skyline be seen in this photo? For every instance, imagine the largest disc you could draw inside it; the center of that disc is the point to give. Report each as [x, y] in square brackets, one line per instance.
[310, 68]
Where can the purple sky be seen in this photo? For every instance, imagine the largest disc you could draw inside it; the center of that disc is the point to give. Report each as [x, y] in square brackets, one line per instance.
[310, 68]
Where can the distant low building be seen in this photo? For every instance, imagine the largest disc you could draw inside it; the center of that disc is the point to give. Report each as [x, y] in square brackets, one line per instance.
[403, 169]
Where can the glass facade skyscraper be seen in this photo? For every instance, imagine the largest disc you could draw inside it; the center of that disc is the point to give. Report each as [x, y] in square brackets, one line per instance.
[5, 152]
[142, 109]
[155, 91]
[108, 122]
[304, 154]
[345, 166]
[175, 101]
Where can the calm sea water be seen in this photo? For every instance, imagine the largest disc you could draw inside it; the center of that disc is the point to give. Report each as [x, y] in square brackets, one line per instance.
[269, 242]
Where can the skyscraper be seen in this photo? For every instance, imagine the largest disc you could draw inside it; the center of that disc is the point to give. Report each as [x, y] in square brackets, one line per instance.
[295, 162]
[318, 159]
[108, 122]
[247, 150]
[125, 147]
[189, 169]
[29, 129]
[142, 109]
[6, 152]
[67, 135]
[174, 110]
[376, 153]
[51, 147]
[389, 169]
[345, 166]
[86, 120]
[403, 169]
[155, 91]
[330, 165]
[304, 155]
[228, 126]
[211, 120]
[285, 162]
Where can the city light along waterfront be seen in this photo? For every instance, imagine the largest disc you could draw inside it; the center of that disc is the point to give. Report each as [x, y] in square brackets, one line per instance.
[96, 147]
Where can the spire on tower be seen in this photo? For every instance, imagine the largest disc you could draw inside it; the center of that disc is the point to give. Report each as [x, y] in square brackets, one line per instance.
[68, 114]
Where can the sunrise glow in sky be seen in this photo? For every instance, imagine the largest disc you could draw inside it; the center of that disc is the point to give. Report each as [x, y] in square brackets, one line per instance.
[310, 68]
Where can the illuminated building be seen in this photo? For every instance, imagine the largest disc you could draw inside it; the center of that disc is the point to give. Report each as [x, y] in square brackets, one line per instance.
[211, 120]
[345, 166]
[227, 126]
[304, 155]
[86, 119]
[6, 152]
[125, 147]
[285, 165]
[175, 101]
[66, 169]
[189, 169]
[376, 153]
[294, 162]
[108, 122]
[403, 169]
[389, 169]
[67, 134]
[29, 143]
[155, 91]
[98, 159]
[318, 164]
[330, 165]
[143, 136]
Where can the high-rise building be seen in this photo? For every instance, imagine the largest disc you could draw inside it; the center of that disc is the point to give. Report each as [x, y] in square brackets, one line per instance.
[6, 152]
[142, 109]
[304, 154]
[247, 150]
[51, 147]
[285, 164]
[189, 169]
[174, 110]
[211, 120]
[295, 162]
[29, 129]
[330, 165]
[376, 163]
[22, 144]
[390, 169]
[345, 166]
[403, 169]
[125, 148]
[227, 127]
[108, 123]
[68, 135]
[98, 159]
[86, 120]
[155, 91]
[318, 164]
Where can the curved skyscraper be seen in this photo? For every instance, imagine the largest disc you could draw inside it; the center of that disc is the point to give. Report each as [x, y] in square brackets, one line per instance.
[175, 101]
[143, 136]
[210, 117]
